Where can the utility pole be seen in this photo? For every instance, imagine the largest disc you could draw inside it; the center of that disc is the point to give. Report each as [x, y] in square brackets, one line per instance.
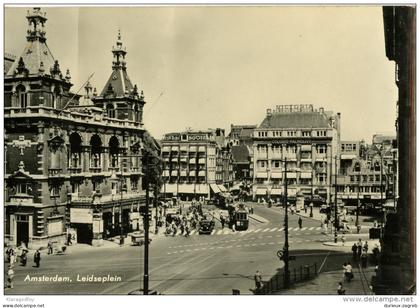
[335, 203]
[358, 193]
[146, 233]
[156, 208]
[286, 232]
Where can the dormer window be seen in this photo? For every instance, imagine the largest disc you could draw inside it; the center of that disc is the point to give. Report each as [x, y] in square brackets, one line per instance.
[110, 111]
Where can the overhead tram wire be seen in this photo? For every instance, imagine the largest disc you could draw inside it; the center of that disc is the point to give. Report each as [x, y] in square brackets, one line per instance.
[74, 95]
[153, 104]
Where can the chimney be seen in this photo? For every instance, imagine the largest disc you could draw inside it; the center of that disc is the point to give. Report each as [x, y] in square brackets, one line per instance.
[269, 112]
[321, 109]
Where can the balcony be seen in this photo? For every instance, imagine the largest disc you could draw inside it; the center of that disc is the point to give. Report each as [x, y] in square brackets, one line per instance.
[106, 198]
[55, 172]
[21, 199]
[96, 169]
[74, 170]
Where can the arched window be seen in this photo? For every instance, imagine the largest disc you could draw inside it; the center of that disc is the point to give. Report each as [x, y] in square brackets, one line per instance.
[75, 151]
[377, 166]
[137, 113]
[22, 96]
[113, 151]
[95, 151]
[56, 98]
[110, 111]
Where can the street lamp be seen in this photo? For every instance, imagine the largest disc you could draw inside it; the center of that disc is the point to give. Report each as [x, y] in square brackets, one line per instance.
[121, 180]
[335, 202]
[286, 232]
[357, 167]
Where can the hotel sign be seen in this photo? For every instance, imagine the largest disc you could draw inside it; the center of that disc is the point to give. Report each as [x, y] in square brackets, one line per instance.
[81, 216]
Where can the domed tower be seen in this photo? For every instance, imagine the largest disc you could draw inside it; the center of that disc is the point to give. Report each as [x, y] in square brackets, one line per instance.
[35, 78]
[119, 98]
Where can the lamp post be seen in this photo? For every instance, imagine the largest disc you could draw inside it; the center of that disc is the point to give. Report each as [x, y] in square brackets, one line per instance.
[335, 202]
[286, 232]
[358, 193]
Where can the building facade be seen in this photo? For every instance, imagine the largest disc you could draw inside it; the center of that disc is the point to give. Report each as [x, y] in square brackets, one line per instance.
[195, 164]
[70, 168]
[308, 139]
[367, 172]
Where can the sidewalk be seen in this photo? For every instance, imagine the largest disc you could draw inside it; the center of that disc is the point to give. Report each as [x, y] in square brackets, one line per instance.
[326, 284]
[351, 221]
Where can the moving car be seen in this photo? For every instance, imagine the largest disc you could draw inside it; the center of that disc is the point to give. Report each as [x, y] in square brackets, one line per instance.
[205, 226]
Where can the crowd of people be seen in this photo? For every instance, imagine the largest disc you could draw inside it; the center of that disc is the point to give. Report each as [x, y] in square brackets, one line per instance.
[21, 253]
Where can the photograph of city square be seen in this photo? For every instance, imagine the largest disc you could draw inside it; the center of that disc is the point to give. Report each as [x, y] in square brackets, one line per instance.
[209, 150]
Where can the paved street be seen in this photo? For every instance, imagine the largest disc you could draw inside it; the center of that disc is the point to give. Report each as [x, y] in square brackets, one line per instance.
[199, 264]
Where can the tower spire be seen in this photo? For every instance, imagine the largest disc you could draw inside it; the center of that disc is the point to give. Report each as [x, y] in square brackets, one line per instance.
[36, 22]
[119, 53]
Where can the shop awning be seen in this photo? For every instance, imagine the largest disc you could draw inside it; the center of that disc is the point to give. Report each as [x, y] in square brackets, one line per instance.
[276, 175]
[168, 188]
[291, 175]
[202, 173]
[215, 188]
[184, 148]
[201, 148]
[186, 188]
[174, 173]
[261, 175]
[192, 173]
[276, 191]
[193, 148]
[222, 188]
[192, 160]
[348, 156]
[305, 175]
[165, 172]
[183, 173]
[175, 148]
[261, 191]
[202, 161]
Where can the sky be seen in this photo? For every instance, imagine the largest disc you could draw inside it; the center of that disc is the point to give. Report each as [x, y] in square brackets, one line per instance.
[210, 66]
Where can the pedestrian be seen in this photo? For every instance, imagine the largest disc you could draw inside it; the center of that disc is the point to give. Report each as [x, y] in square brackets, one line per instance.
[354, 250]
[340, 289]
[306, 208]
[375, 252]
[12, 257]
[181, 227]
[364, 258]
[349, 272]
[366, 246]
[359, 248]
[300, 222]
[10, 276]
[23, 258]
[222, 221]
[69, 242]
[37, 258]
[258, 280]
[50, 248]
[343, 239]
[344, 267]
[359, 227]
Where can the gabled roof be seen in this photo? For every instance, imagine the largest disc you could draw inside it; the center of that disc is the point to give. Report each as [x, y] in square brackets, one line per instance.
[296, 120]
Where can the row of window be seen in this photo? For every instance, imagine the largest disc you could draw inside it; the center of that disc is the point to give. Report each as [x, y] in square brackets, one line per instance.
[365, 178]
[348, 147]
[292, 133]
[363, 189]
[289, 149]
[319, 181]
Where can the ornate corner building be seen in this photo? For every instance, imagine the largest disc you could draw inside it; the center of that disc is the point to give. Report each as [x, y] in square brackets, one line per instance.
[72, 162]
